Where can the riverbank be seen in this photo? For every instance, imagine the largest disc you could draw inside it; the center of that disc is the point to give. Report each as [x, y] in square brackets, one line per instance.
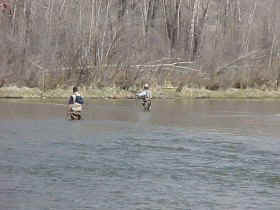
[116, 93]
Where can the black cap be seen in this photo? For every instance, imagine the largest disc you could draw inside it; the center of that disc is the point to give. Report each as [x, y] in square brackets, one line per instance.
[75, 89]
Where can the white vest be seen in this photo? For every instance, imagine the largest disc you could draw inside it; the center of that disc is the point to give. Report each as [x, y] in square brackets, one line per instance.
[76, 107]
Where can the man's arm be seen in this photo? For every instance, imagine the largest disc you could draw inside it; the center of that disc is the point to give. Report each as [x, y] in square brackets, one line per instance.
[150, 94]
[142, 94]
[70, 103]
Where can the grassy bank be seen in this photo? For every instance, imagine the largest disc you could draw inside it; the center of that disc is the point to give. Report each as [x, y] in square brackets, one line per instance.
[116, 93]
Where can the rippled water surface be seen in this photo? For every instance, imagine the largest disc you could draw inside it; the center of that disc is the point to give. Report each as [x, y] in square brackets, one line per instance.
[202, 154]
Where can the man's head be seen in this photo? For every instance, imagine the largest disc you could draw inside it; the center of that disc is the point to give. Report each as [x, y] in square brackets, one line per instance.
[75, 89]
[146, 86]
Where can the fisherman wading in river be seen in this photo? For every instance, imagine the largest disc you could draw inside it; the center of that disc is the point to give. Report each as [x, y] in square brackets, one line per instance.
[146, 96]
[75, 105]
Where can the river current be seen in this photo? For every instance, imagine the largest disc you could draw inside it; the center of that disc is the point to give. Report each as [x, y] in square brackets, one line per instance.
[183, 155]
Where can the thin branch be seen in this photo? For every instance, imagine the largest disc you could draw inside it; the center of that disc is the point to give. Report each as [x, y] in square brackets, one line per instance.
[220, 69]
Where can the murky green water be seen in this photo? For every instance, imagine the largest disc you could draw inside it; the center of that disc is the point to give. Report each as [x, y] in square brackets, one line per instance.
[202, 154]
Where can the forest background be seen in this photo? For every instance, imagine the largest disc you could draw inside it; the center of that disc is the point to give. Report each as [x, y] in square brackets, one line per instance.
[121, 44]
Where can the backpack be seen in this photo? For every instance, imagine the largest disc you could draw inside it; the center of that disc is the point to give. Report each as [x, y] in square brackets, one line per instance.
[79, 100]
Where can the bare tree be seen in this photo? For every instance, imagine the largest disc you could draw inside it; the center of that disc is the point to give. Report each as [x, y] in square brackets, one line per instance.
[94, 42]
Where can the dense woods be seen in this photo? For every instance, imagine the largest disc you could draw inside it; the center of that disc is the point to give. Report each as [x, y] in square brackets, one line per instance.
[197, 43]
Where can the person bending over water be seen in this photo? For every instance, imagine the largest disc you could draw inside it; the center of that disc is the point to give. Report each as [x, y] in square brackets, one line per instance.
[75, 105]
[146, 96]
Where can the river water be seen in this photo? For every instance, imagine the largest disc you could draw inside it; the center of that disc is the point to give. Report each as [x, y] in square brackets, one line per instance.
[183, 155]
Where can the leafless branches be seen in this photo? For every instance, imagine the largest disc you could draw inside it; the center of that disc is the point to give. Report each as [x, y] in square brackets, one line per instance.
[102, 42]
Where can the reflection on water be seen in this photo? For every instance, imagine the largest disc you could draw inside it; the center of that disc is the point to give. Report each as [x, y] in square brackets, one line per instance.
[201, 154]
